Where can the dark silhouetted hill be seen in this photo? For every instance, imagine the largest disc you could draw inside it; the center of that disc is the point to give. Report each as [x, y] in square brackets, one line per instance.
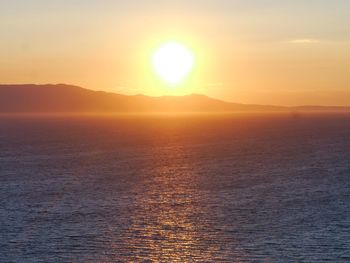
[60, 98]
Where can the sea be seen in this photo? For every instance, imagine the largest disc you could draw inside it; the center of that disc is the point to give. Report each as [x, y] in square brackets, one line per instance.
[175, 188]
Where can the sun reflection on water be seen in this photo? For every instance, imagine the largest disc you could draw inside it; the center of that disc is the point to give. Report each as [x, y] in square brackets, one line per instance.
[169, 221]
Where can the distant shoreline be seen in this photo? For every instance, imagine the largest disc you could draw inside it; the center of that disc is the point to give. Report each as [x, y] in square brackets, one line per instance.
[68, 99]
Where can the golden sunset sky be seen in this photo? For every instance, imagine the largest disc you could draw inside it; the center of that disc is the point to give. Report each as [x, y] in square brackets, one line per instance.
[267, 52]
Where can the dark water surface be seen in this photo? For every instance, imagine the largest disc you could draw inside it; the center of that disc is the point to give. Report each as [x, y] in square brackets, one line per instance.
[224, 188]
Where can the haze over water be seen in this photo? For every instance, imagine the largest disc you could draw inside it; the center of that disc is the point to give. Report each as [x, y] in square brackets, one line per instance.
[187, 188]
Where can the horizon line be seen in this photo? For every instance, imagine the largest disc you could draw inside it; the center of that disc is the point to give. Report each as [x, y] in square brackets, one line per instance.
[175, 96]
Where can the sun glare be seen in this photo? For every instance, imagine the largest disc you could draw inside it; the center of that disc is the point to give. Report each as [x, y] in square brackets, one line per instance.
[172, 62]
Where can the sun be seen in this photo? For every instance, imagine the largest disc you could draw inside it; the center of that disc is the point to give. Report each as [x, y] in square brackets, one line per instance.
[172, 62]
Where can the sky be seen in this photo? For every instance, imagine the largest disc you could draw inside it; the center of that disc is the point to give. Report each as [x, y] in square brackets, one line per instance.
[250, 51]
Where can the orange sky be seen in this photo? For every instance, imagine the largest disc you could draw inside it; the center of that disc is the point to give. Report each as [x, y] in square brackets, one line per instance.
[266, 52]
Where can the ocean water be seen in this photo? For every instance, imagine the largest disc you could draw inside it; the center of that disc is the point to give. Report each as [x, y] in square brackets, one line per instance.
[168, 188]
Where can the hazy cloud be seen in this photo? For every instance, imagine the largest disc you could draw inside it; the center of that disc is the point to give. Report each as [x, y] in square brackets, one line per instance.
[305, 41]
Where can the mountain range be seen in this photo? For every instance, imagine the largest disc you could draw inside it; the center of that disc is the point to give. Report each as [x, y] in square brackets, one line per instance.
[61, 98]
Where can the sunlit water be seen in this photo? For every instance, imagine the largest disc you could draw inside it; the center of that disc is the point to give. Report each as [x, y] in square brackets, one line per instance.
[175, 189]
